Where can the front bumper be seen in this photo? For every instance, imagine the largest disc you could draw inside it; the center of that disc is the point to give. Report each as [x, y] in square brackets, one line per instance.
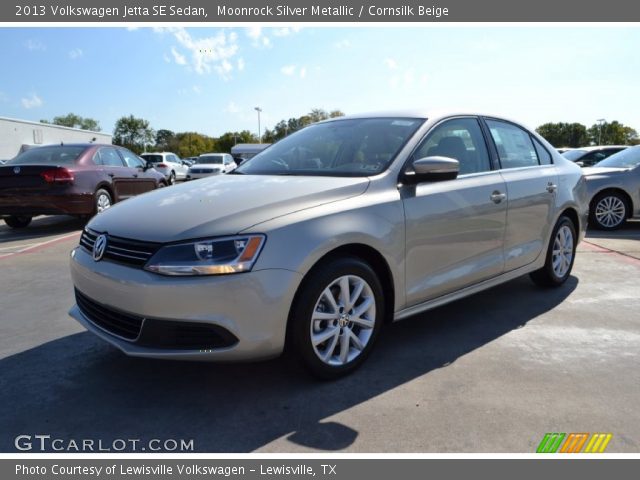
[252, 306]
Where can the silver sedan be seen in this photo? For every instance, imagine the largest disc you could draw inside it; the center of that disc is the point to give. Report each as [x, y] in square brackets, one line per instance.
[318, 241]
[614, 189]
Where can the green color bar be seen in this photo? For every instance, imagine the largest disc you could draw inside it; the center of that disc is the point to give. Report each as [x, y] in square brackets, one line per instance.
[550, 443]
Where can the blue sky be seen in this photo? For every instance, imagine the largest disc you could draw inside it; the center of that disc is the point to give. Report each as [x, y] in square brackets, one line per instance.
[210, 79]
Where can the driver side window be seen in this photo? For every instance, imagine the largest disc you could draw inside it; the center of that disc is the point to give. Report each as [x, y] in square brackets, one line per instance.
[461, 139]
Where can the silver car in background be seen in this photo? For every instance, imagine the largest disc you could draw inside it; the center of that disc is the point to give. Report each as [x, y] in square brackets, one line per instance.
[209, 164]
[167, 163]
[319, 240]
[614, 189]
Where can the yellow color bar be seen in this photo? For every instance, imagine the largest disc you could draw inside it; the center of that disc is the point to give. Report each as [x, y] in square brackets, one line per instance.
[598, 443]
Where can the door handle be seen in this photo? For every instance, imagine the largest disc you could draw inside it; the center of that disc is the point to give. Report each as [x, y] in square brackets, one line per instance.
[111, 175]
[551, 187]
[497, 197]
[135, 175]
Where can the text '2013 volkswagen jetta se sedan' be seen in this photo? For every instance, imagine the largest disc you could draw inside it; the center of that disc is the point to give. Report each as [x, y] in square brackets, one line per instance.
[326, 235]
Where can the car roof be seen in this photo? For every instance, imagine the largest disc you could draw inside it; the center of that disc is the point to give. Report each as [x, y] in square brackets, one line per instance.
[600, 147]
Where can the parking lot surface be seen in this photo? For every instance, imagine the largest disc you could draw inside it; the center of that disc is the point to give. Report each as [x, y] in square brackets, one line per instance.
[491, 373]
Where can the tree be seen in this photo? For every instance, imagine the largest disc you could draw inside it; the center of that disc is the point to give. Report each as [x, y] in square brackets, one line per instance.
[614, 133]
[229, 139]
[336, 113]
[564, 134]
[75, 121]
[165, 140]
[133, 133]
[191, 144]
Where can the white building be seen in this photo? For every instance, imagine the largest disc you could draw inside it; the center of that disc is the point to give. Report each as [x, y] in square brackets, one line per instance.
[19, 135]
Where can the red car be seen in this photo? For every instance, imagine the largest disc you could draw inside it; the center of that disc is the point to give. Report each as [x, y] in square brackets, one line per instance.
[75, 179]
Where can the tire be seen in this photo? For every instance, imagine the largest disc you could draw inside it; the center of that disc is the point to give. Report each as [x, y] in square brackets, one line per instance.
[17, 221]
[103, 200]
[341, 343]
[172, 178]
[561, 254]
[608, 211]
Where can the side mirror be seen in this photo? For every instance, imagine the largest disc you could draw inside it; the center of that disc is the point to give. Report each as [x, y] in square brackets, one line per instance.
[432, 169]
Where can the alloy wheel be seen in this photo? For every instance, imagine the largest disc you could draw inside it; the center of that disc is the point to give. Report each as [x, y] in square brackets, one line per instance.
[610, 211]
[103, 202]
[343, 320]
[562, 255]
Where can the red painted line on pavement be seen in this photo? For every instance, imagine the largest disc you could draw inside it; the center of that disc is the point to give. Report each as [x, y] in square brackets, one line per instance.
[40, 246]
[618, 255]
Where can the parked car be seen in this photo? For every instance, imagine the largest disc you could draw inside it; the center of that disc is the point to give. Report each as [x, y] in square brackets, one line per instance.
[614, 189]
[589, 156]
[209, 164]
[332, 231]
[244, 151]
[169, 164]
[75, 179]
[563, 149]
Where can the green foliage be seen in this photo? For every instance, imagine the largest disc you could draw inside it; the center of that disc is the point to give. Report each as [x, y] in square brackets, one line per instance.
[133, 133]
[75, 121]
[614, 133]
[564, 134]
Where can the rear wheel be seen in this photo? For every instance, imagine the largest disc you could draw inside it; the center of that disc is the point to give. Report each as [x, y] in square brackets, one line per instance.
[560, 255]
[608, 211]
[103, 200]
[172, 178]
[336, 317]
[17, 221]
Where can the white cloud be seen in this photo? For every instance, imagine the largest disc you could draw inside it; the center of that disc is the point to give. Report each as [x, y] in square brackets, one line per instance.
[241, 64]
[254, 32]
[132, 29]
[288, 70]
[166, 58]
[75, 53]
[391, 63]
[285, 31]
[197, 89]
[232, 108]
[209, 53]
[303, 72]
[260, 39]
[178, 57]
[342, 44]
[32, 102]
[35, 45]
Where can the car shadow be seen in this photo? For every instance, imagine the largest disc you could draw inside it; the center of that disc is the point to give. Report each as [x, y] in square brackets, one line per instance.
[78, 387]
[631, 228]
[41, 227]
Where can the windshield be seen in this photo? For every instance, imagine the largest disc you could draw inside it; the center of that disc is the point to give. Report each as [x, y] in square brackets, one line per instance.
[152, 158]
[215, 159]
[354, 147]
[628, 158]
[574, 155]
[54, 155]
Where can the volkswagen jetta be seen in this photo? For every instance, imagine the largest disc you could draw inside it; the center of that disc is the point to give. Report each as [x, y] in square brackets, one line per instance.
[319, 240]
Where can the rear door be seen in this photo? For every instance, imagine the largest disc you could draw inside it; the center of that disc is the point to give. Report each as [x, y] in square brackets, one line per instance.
[454, 228]
[531, 181]
[122, 177]
[143, 180]
[179, 168]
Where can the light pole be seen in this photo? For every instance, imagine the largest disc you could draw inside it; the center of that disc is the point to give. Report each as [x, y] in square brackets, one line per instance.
[258, 109]
[600, 121]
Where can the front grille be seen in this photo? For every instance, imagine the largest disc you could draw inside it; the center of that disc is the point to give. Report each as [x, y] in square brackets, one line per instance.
[118, 323]
[122, 250]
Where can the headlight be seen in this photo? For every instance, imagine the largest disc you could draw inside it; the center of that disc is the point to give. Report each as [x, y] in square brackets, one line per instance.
[215, 256]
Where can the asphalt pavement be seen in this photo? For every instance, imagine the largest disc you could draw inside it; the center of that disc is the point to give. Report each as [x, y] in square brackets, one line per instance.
[491, 373]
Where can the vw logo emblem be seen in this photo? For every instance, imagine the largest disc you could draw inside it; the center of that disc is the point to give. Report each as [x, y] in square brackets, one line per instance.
[99, 247]
[16, 170]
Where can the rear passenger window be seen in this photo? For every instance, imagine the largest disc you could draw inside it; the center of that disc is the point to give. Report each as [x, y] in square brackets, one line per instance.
[544, 157]
[110, 157]
[515, 148]
[461, 139]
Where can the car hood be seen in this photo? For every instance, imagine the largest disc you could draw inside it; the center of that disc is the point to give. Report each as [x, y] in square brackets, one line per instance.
[220, 205]
[597, 171]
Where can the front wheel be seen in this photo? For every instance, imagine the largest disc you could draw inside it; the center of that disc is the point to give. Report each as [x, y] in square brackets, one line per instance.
[608, 211]
[560, 255]
[18, 221]
[103, 200]
[172, 178]
[337, 316]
